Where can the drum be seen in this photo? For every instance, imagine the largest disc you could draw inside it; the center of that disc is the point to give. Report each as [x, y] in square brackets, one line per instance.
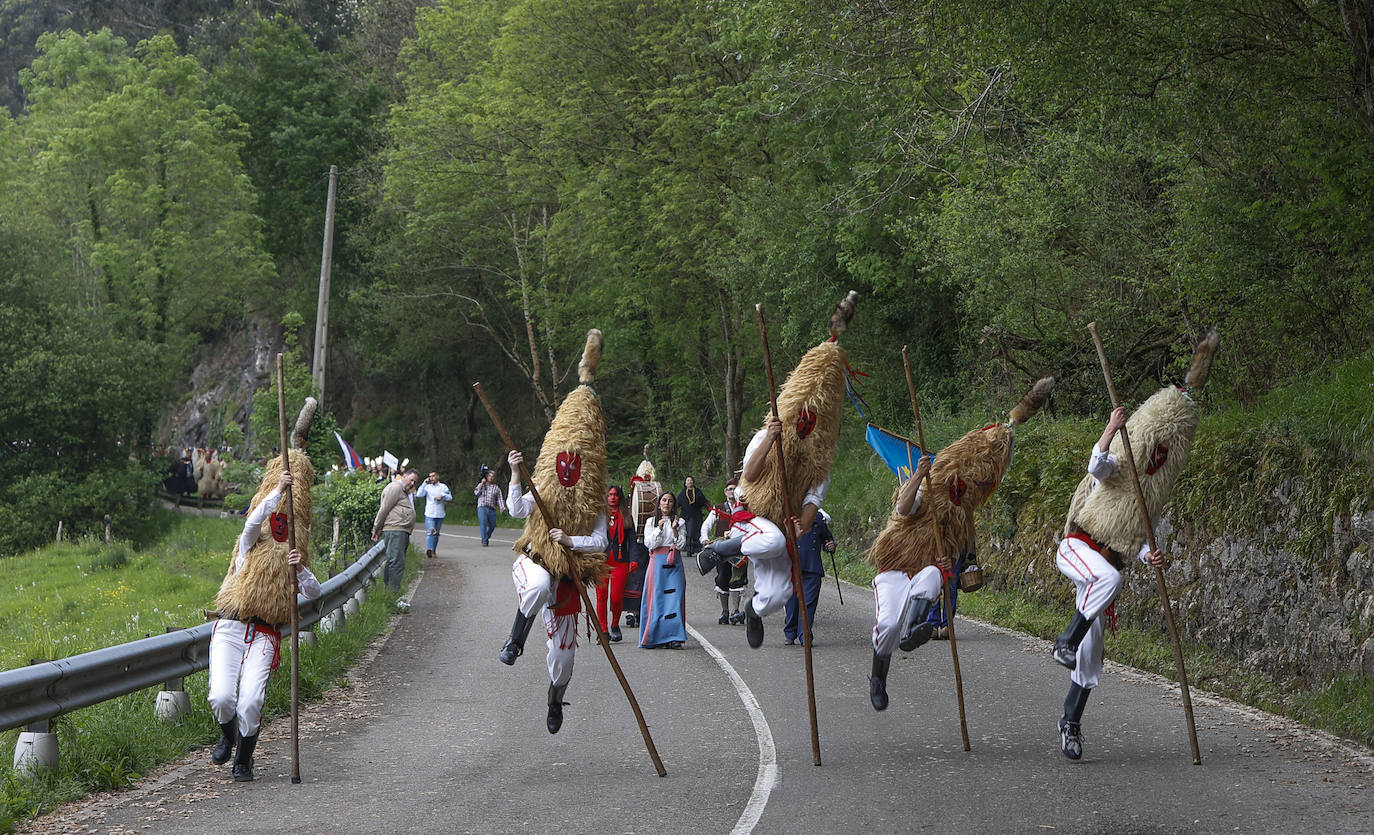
[643, 501]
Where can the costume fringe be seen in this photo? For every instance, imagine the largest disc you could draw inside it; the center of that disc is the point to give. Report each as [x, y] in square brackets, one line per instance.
[1202, 360]
[1034, 400]
[591, 357]
[301, 433]
[843, 313]
[262, 588]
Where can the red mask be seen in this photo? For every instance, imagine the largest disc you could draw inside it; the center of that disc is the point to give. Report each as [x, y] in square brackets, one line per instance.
[806, 422]
[277, 521]
[1157, 459]
[569, 468]
[957, 489]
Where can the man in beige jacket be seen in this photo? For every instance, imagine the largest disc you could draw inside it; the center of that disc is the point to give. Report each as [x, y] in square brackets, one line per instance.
[395, 518]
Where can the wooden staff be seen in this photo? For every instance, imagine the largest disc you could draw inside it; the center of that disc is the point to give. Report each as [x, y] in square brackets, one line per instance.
[946, 595]
[1150, 539]
[581, 586]
[295, 584]
[789, 538]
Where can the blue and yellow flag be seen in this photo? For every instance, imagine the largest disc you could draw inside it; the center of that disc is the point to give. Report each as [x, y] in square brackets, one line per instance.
[900, 454]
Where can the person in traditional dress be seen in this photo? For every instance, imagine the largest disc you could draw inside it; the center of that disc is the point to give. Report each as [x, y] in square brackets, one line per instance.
[619, 538]
[692, 506]
[569, 548]
[731, 575]
[663, 616]
[1104, 525]
[255, 602]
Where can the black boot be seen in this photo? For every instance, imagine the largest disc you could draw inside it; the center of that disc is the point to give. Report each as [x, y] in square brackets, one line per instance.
[722, 549]
[1070, 733]
[1065, 650]
[515, 644]
[243, 760]
[916, 628]
[753, 625]
[224, 749]
[877, 682]
[555, 720]
[724, 607]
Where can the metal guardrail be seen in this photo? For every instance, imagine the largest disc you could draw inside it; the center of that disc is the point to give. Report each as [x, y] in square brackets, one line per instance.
[47, 690]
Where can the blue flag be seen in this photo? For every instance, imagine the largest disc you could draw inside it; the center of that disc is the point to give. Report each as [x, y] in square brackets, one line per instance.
[900, 455]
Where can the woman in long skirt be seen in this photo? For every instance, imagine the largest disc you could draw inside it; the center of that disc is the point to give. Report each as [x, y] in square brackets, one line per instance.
[663, 615]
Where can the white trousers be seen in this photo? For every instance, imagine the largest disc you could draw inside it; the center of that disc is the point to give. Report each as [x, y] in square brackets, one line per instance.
[240, 664]
[535, 588]
[1097, 583]
[765, 545]
[891, 591]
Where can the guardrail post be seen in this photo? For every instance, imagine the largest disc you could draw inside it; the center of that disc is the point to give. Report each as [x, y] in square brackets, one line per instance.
[351, 606]
[172, 702]
[36, 750]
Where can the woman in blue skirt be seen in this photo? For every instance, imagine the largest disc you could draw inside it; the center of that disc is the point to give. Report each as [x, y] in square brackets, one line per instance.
[663, 612]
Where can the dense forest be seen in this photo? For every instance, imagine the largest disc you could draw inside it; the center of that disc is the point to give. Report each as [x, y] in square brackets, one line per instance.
[988, 178]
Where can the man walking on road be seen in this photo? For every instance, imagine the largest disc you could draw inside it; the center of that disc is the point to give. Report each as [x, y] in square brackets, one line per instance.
[436, 494]
[489, 500]
[395, 519]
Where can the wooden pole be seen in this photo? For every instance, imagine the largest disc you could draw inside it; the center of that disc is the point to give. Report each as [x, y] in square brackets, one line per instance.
[321, 353]
[582, 587]
[295, 584]
[1150, 539]
[788, 536]
[946, 595]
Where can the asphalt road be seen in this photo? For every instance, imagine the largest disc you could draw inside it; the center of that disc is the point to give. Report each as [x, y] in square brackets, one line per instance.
[434, 735]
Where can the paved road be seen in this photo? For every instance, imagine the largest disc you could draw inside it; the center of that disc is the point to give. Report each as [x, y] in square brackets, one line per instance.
[436, 736]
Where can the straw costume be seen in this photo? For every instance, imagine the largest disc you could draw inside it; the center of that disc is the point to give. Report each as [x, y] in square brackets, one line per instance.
[1104, 524]
[571, 478]
[255, 601]
[912, 548]
[810, 406]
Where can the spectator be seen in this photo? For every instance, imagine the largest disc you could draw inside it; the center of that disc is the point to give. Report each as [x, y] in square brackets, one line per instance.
[395, 518]
[663, 614]
[489, 501]
[436, 494]
[810, 544]
[693, 506]
[181, 475]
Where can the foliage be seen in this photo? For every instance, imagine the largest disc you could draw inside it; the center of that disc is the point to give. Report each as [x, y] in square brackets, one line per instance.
[352, 498]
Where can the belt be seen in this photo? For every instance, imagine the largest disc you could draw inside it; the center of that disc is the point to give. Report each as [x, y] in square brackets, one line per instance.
[1110, 555]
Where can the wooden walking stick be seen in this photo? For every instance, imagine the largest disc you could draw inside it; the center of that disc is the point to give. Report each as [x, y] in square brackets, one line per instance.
[1150, 539]
[581, 586]
[789, 538]
[295, 584]
[945, 593]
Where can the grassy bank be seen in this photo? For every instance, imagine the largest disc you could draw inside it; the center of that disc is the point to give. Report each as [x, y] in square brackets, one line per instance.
[71, 598]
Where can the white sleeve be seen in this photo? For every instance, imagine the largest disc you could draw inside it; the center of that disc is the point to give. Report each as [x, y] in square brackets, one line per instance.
[252, 528]
[680, 541]
[595, 541]
[518, 505]
[816, 495]
[708, 526]
[1102, 464]
[1145, 546]
[653, 535]
[308, 583]
[916, 502]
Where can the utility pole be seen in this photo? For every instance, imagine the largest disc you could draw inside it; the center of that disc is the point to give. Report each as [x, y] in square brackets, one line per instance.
[322, 306]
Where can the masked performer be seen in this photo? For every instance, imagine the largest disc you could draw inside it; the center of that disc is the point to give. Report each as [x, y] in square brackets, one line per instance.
[619, 537]
[913, 553]
[255, 602]
[732, 575]
[812, 399]
[569, 548]
[1104, 525]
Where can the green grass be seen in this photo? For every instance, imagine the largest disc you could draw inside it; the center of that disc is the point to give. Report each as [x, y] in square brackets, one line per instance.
[119, 595]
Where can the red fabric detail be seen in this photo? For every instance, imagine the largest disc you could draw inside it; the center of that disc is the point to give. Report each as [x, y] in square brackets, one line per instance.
[277, 522]
[806, 422]
[566, 600]
[1110, 615]
[957, 489]
[251, 630]
[989, 426]
[615, 527]
[1157, 459]
[741, 515]
[568, 465]
[1088, 539]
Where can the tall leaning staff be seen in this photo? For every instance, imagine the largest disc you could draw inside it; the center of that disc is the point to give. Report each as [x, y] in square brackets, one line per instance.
[1112, 514]
[256, 601]
[295, 584]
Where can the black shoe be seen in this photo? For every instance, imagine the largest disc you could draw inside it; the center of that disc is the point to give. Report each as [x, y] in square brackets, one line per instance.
[616, 637]
[515, 644]
[916, 629]
[555, 720]
[877, 682]
[1065, 651]
[224, 749]
[724, 620]
[1071, 740]
[753, 625]
[632, 620]
[737, 618]
[243, 760]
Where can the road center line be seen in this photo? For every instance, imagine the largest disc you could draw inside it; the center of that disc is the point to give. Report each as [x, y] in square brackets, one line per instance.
[767, 777]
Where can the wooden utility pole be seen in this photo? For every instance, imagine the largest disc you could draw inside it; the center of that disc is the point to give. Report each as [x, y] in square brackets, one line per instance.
[322, 305]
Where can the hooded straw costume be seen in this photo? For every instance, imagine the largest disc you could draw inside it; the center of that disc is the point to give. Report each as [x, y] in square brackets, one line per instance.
[810, 406]
[255, 602]
[939, 524]
[571, 480]
[1104, 524]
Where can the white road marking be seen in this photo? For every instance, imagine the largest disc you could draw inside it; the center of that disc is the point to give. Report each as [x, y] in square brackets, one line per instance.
[767, 778]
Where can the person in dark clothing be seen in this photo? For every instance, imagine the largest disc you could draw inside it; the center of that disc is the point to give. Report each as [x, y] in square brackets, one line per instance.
[810, 544]
[181, 475]
[692, 506]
